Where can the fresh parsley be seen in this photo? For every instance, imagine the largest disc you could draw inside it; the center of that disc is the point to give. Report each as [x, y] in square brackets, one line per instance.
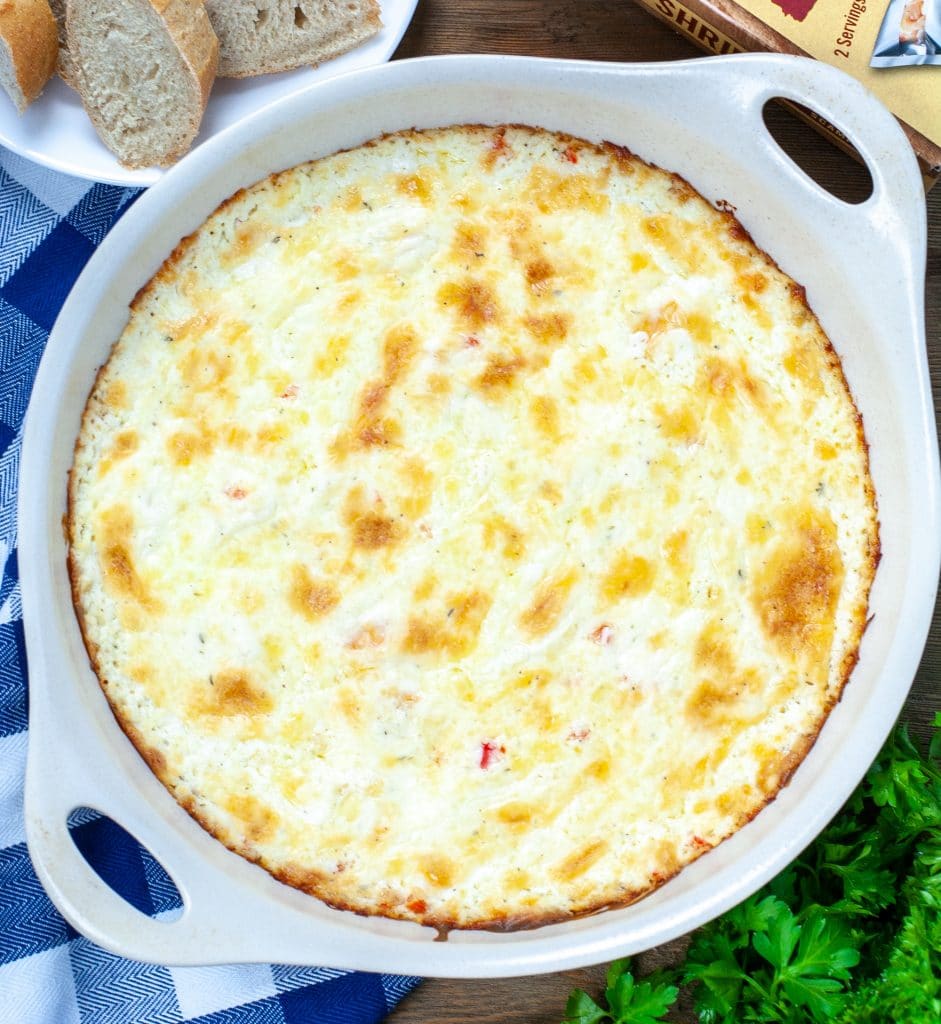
[628, 1001]
[849, 933]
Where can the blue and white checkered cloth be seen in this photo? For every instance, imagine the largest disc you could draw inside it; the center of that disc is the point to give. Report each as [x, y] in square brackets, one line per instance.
[50, 225]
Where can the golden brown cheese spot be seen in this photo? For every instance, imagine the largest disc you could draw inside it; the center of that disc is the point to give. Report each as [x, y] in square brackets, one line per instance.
[348, 703]
[797, 587]
[453, 631]
[473, 300]
[419, 482]
[664, 319]
[327, 362]
[664, 231]
[680, 424]
[713, 652]
[115, 395]
[676, 554]
[726, 385]
[757, 528]
[370, 531]
[113, 537]
[757, 310]
[497, 529]
[399, 348]
[427, 586]
[418, 185]
[517, 815]
[439, 384]
[681, 780]
[717, 701]
[500, 373]
[193, 329]
[711, 703]
[732, 801]
[548, 329]
[345, 267]
[352, 199]
[699, 326]
[517, 880]
[183, 446]
[539, 273]
[310, 597]
[497, 149]
[555, 192]
[824, 450]
[258, 821]
[580, 861]
[469, 241]
[547, 605]
[667, 859]
[203, 369]
[639, 261]
[550, 491]
[274, 652]
[438, 869]
[234, 436]
[232, 692]
[545, 415]
[348, 303]
[804, 362]
[271, 435]
[755, 282]
[371, 427]
[249, 236]
[125, 443]
[599, 770]
[629, 576]
[776, 767]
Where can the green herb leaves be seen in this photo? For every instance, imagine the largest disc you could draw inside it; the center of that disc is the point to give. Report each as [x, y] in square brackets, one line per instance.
[850, 933]
[628, 1001]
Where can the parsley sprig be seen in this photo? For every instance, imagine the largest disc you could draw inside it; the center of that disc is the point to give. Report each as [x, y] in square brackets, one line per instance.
[849, 933]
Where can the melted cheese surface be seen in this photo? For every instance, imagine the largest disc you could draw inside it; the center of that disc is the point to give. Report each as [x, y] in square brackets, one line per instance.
[473, 527]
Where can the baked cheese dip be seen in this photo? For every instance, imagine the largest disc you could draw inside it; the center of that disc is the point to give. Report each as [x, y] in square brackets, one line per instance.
[473, 527]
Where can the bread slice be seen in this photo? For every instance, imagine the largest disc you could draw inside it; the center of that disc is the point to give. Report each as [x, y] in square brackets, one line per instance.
[29, 46]
[257, 37]
[144, 69]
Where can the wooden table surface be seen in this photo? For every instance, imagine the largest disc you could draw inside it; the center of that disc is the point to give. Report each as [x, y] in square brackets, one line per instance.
[620, 30]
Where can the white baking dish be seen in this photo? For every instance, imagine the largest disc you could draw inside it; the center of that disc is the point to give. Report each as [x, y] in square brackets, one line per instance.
[863, 267]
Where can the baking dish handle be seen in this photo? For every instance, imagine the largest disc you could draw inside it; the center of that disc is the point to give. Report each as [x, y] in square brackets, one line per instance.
[90, 905]
[895, 209]
[59, 780]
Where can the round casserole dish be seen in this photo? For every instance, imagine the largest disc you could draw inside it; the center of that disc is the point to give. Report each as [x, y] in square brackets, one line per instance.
[676, 118]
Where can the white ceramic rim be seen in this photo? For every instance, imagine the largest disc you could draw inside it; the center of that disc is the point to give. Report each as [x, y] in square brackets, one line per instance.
[701, 118]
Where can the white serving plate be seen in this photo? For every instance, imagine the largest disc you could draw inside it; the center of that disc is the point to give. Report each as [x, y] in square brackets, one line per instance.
[55, 130]
[863, 266]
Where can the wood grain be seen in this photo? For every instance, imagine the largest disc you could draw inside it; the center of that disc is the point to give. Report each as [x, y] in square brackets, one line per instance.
[620, 30]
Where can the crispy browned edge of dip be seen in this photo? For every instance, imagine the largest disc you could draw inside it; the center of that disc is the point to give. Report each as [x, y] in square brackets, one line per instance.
[316, 883]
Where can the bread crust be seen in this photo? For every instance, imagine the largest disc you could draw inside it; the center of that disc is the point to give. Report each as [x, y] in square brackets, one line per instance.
[187, 25]
[29, 30]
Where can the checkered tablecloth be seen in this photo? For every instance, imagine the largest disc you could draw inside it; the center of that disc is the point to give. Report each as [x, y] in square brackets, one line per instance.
[50, 225]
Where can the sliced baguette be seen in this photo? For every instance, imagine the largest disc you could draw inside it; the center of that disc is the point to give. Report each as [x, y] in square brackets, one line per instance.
[29, 46]
[143, 69]
[257, 37]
